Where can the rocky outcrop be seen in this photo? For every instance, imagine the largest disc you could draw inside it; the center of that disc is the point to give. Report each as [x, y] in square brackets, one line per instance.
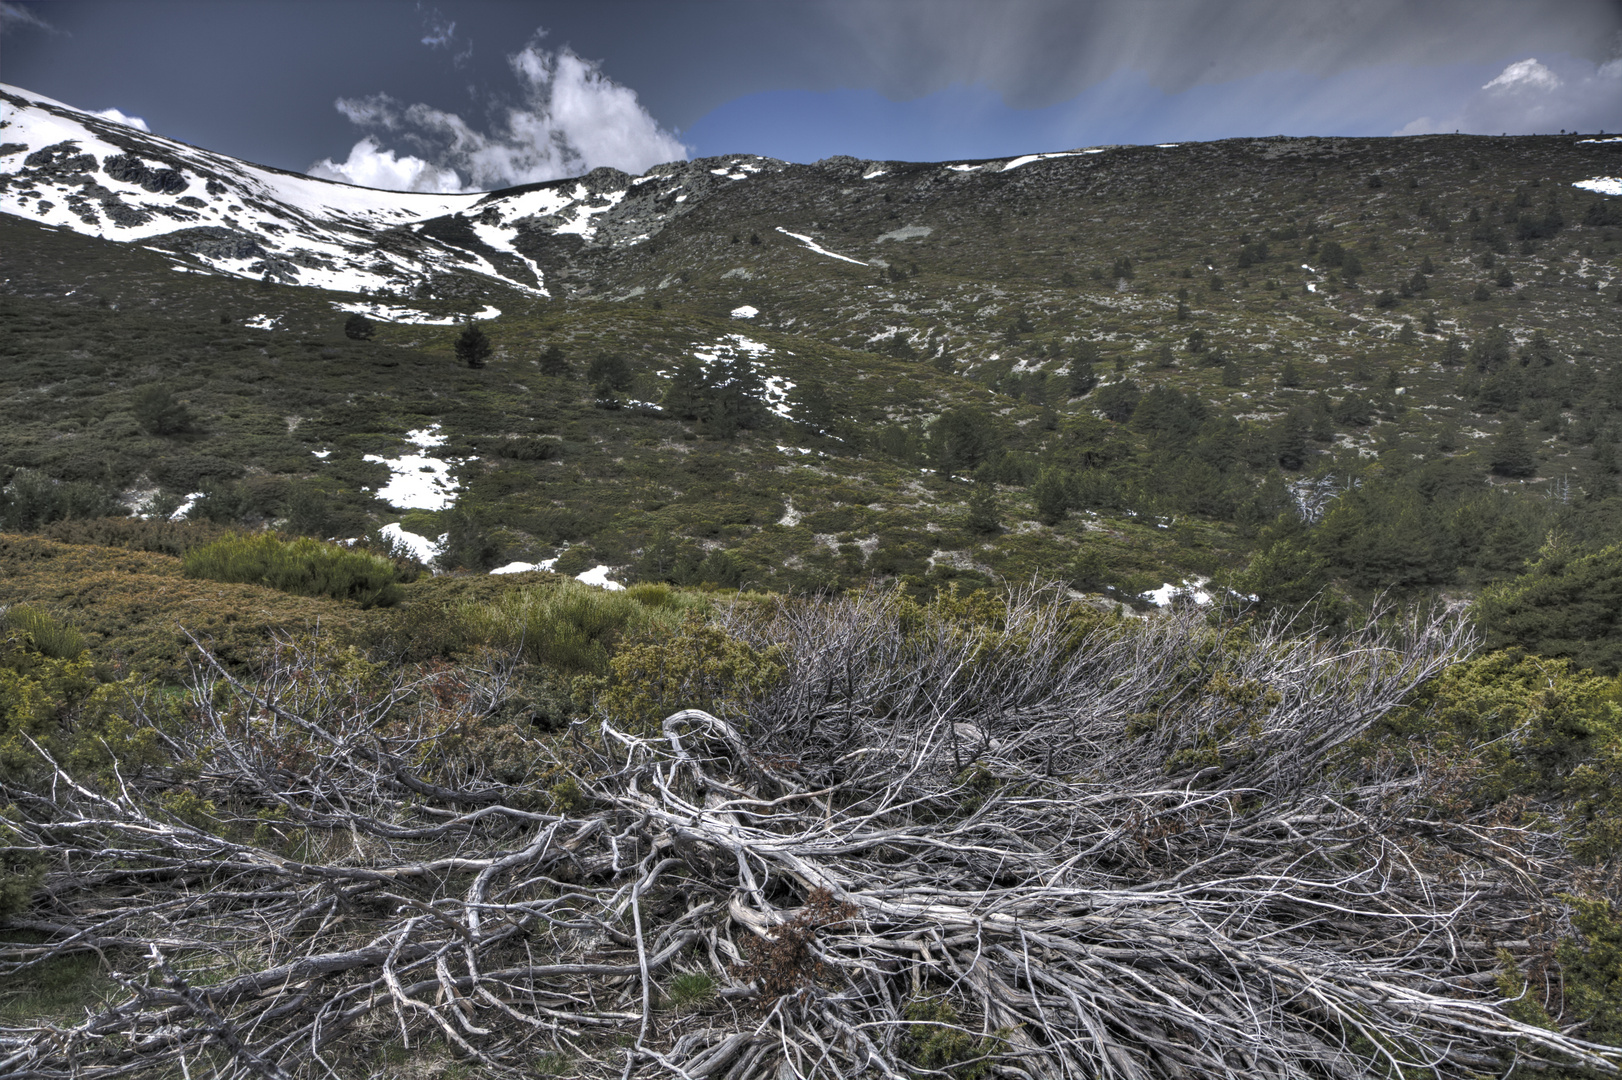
[213, 242]
[132, 170]
[61, 160]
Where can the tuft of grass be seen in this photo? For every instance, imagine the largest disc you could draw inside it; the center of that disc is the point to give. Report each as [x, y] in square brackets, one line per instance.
[690, 989]
[50, 636]
[301, 566]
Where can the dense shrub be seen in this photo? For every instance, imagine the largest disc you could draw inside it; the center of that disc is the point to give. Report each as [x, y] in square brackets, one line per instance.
[359, 328]
[1568, 604]
[159, 413]
[33, 499]
[571, 627]
[700, 667]
[473, 348]
[302, 566]
[137, 534]
[49, 693]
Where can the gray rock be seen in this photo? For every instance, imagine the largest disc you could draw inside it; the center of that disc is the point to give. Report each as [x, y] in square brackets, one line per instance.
[132, 170]
[214, 242]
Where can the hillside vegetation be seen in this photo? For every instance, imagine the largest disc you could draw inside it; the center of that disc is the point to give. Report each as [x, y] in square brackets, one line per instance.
[883, 763]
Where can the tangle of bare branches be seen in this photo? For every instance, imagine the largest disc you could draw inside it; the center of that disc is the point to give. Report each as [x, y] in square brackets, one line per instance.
[1034, 846]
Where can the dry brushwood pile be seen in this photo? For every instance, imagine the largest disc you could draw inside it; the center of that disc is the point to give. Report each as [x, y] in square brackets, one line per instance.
[1033, 845]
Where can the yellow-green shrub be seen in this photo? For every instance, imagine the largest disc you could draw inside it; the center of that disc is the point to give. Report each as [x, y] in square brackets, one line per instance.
[700, 666]
[58, 703]
[571, 627]
[301, 566]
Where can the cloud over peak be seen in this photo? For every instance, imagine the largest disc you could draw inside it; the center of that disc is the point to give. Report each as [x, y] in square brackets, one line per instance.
[118, 116]
[571, 118]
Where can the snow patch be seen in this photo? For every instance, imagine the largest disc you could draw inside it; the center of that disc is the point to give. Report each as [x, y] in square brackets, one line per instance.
[392, 313]
[1169, 593]
[1601, 185]
[598, 575]
[262, 322]
[422, 549]
[525, 567]
[906, 232]
[746, 311]
[183, 511]
[818, 248]
[1028, 158]
[417, 481]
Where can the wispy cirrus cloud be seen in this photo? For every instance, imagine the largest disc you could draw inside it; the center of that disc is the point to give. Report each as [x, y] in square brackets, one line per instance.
[16, 16]
[571, 118]
[440, 33]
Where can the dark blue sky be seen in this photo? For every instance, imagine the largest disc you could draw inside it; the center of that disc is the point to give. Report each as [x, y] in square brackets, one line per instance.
[467, 94]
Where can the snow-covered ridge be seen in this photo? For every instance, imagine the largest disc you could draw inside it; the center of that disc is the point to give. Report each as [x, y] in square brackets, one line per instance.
[69, 168]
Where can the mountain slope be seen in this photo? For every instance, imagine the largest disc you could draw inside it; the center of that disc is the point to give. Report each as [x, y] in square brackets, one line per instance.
[748, 371]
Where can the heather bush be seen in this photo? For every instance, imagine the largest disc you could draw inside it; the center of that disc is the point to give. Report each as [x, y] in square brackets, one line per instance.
[301, 566]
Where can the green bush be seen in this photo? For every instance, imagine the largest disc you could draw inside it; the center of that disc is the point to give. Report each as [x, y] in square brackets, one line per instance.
[33, 499]
[158, 413]
[54, 699]
[1567, 604]
[137, 534]
[937, 1044]
[701, 666]
[571, 627]
[302, 566]
[1507, 727]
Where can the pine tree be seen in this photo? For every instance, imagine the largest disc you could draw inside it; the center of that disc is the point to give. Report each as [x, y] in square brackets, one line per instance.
[984, 519]
[737, 397]
[157, 411]
[1081, 380]
[1512, 452]
[610, 373]
[554, 363]
[473, 347]
[811, 407]
[359, 328]
[1052, 494]
[685, 398]
[959, 440]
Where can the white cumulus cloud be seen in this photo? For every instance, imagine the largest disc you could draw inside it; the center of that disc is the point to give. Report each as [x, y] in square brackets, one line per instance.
[1525, 74]
[369, 165]
[119, 117]
[571, 118]
[1535, 97]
